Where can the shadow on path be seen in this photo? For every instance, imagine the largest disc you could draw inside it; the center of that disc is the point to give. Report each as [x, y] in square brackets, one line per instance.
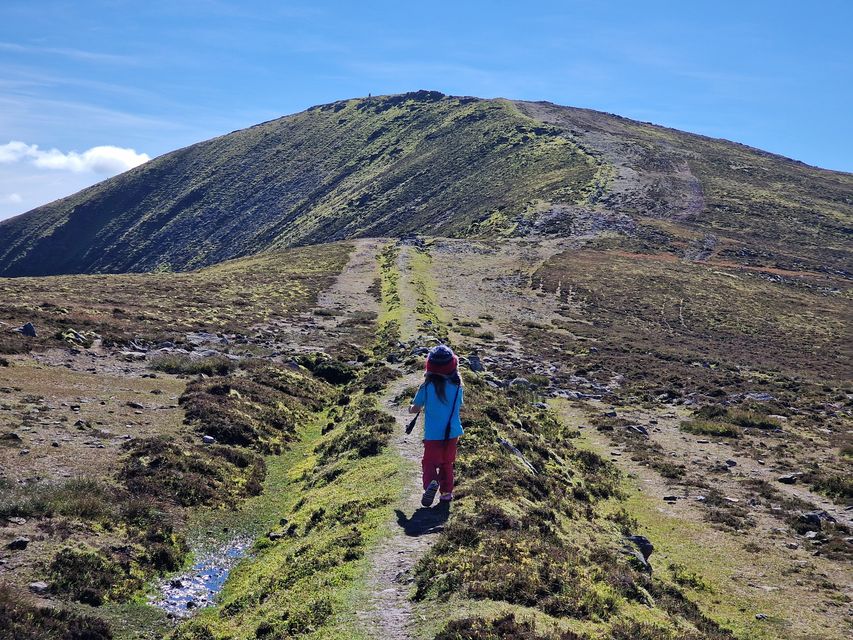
[425, 520]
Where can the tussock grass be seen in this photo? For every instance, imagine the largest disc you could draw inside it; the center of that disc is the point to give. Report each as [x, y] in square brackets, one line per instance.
[179, 364]
[83, 498]
[21, 618]
[710, 428]
[503, 627]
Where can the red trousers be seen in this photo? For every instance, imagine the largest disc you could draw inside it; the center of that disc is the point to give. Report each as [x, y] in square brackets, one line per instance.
[437, 463]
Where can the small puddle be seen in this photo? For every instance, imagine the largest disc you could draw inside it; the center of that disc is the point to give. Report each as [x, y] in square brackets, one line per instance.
[181, 595]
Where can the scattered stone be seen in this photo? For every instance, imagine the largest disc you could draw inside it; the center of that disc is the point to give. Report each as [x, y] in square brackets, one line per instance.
[761, 616]
[540, 405]
[731, 463]
[609, 414]
[670, 498]
[810, 535]
[24, 452]
[39, 587]
[792, 545]
[208, 439]
[732, 500]
[177, 583]
[639, 429]
[643, 544]
[135, 405]
[790, 478]
[191, 604]
[27, 330]
[701, 499]
[275, 535]
[19, 544]
[475, 364]
[16, 520]
[816, 518]
[519, 382]
[131, 356]
[759, 397]
[703, 441]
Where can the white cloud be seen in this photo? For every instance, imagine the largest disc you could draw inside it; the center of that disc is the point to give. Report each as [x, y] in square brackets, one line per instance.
[104, 159]
[11, 198]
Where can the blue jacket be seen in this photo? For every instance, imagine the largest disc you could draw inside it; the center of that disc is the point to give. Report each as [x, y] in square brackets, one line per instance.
[436, 412]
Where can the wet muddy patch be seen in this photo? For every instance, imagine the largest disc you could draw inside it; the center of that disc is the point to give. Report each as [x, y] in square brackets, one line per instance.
[181, 595]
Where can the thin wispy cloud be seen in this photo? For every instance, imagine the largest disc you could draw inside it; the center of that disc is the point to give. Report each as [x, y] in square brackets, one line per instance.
[75, 54]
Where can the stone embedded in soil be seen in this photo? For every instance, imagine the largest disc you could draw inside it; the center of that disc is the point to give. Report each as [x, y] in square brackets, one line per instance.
[19, 544]
[790, 478]
[27, 330]
[39, 587]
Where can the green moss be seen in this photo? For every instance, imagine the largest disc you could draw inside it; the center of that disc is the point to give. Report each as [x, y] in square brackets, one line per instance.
[333, 505]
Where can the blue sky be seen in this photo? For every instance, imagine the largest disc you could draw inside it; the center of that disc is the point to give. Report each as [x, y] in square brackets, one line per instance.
[89, 87]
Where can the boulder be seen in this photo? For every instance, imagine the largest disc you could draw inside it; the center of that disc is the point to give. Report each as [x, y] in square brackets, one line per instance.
[27, 330]
[790, 478]
[475, 364]
[643, 544]
[208, 439]
[639, 429]
[815, 518]
[519, 382]
[19, 544]
[39, 587]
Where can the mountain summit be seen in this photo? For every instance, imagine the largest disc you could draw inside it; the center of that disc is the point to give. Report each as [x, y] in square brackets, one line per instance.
[424, 162]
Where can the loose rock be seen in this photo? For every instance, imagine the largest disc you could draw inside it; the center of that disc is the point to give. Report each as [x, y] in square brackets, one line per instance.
[27, 330]
[19, 544]
[39, 587]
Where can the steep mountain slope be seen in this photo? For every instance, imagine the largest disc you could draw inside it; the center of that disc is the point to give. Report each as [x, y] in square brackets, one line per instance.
[442, 165]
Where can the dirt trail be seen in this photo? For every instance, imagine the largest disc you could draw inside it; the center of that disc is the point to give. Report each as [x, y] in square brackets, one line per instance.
[320, 327]
[389, 615]
[759, 578]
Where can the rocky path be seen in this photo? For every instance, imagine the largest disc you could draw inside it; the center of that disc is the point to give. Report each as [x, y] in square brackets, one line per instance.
[389, 614]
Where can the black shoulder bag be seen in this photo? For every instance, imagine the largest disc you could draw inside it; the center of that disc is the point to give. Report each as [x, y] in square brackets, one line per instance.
[450, 418]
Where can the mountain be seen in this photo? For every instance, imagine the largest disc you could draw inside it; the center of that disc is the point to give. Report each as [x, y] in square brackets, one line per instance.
[425, 162]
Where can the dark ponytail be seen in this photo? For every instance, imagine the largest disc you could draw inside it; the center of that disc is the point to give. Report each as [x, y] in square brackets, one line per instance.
[440, 383]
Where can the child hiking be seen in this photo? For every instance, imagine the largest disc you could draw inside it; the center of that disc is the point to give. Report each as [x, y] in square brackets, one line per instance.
[440, 397]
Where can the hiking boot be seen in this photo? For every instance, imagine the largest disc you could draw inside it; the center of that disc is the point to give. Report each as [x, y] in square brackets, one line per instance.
[429, 493]
[445, 497]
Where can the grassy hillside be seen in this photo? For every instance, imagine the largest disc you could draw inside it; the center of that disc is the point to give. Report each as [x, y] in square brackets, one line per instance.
[416, 162]
[231, 296]
[441, 165]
